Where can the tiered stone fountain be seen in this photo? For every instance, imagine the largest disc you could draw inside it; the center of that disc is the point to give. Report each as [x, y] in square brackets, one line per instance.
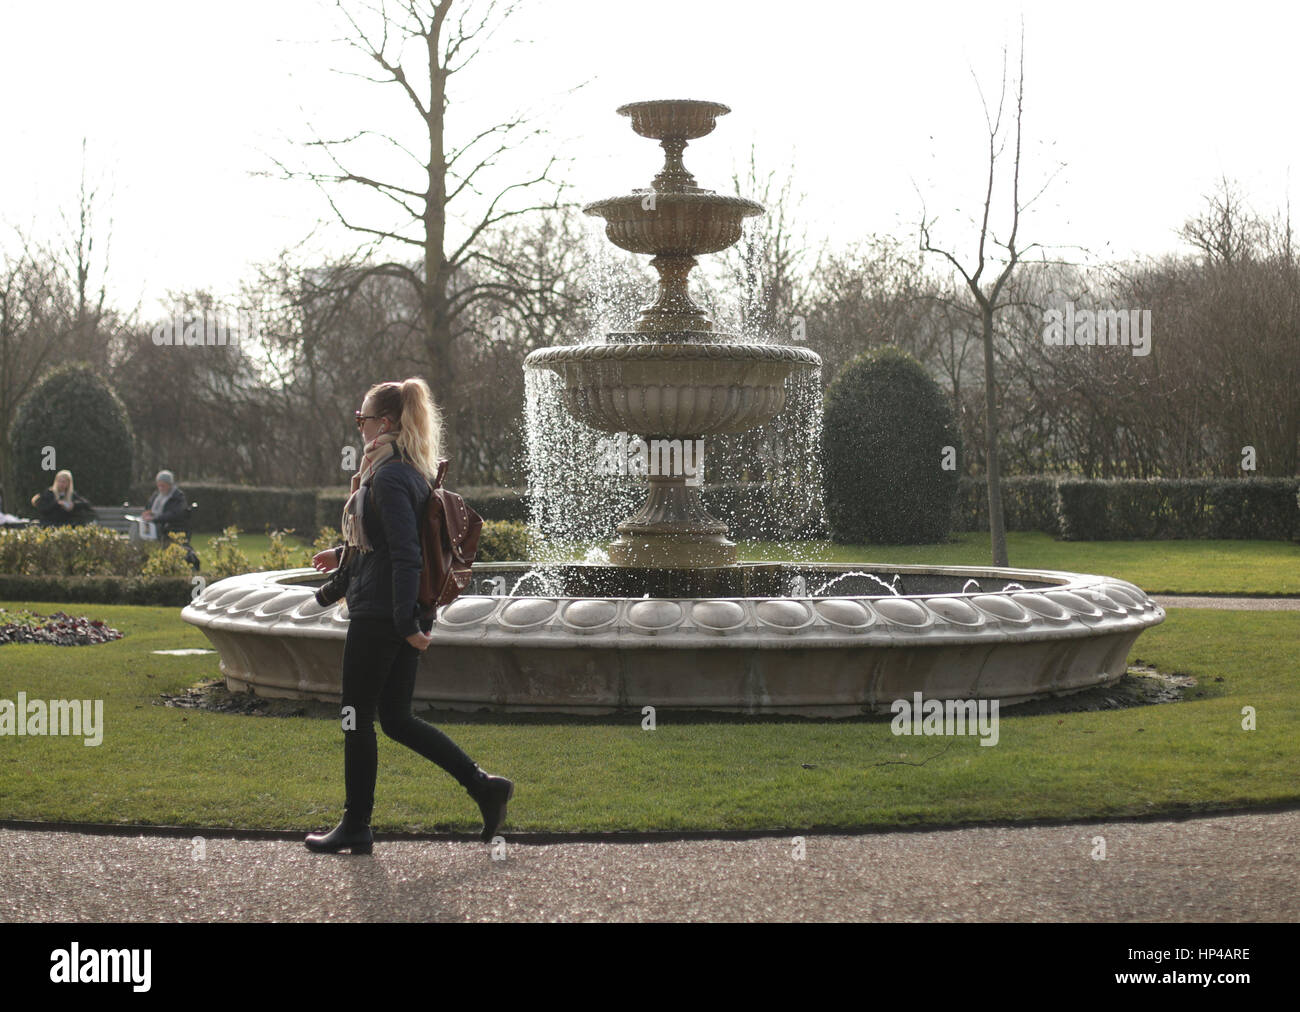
[675, 621]
[672, 376]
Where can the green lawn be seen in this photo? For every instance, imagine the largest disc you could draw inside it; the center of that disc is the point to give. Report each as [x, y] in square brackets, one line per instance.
[1158, 567]
[160, 765]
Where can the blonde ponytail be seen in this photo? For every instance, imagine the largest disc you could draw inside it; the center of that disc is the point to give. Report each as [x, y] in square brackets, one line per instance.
[410, 404]
[421, 436]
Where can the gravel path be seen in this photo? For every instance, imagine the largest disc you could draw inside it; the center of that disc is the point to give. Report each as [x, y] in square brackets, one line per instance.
[1224, 868]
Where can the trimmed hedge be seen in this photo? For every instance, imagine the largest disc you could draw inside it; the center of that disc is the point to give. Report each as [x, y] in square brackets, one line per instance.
[493, 503]
[1267, 508]
[1028, 504]
[247, 507]
[85, 550]
[887, 430]
[329, 507]
[1157, 509]
[1167, 508]
[747, 507]
[503, 541]
[488, 502]
[172, 590]
[74, 411]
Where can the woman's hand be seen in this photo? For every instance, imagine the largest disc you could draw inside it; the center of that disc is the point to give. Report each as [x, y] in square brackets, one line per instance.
[419, 640]
[325, 561]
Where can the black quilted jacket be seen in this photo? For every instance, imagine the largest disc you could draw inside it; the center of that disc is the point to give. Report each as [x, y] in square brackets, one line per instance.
[383, 583]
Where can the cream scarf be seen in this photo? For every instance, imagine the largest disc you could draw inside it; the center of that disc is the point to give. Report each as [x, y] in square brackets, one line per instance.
[375, 453]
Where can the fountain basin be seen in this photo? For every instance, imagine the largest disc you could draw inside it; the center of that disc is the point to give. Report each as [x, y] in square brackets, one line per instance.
[673, 390]
[715, 649]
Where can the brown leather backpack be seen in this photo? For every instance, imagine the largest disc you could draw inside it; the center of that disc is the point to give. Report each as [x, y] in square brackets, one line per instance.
[449, 533]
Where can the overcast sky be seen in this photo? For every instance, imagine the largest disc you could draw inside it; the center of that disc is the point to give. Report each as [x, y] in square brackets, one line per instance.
[182, 104]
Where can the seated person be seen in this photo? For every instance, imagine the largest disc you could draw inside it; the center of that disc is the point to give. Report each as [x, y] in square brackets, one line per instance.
[169, 512]
[60, 506]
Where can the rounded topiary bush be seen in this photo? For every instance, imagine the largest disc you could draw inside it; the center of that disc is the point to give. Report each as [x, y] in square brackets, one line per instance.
[76, 413]
[886, 429]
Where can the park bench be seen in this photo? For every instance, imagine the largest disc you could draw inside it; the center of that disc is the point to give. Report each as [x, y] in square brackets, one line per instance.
[115, 518]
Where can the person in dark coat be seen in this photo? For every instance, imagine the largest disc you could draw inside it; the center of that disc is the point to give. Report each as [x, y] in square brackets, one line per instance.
[60, 506]
[167, 508]
[169, 512]
[402, 432]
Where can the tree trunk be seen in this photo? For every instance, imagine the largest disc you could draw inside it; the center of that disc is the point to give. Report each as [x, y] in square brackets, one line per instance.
[997, 526]
[435, 304]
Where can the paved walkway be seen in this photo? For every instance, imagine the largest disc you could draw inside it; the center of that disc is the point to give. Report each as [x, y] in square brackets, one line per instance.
[1226, 868]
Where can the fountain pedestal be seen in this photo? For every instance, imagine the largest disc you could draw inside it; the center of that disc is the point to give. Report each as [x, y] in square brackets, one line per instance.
[672, 530]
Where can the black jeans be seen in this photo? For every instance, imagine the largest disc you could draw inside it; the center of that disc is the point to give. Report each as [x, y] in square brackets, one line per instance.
[379, 677]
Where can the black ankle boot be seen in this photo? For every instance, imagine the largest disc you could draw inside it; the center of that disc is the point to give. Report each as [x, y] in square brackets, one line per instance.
[491, 793]
[344, 836]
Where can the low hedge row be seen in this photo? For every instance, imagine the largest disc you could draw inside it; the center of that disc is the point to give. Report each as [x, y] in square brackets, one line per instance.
[93, 564]
[745, 506]
[1085, 509]
[171, 590]
[489, 503]
[1228, 508]
[1071, 508]
[249, 508]
[1028, 504]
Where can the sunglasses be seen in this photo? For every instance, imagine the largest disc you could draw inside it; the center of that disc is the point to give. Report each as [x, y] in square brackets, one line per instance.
[362, 418]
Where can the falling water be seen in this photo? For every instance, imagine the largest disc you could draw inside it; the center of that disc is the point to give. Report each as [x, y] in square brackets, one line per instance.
[575, 509]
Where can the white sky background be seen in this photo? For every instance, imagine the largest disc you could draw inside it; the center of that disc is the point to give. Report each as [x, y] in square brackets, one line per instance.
[181, 102]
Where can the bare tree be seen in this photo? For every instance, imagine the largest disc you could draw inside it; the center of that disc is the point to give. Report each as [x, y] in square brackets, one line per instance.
[29, 315]
[446, 277]
[764, 267]
[86, 341]
[988, 297]
[1227, 231]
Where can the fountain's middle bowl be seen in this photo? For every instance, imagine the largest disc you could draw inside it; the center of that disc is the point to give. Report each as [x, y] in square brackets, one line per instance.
[665, 223]
[674, 390]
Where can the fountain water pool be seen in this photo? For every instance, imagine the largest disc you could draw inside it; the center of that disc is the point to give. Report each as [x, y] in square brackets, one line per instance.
[675, 621]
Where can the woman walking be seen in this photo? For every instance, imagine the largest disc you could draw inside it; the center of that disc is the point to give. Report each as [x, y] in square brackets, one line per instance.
[402, 432]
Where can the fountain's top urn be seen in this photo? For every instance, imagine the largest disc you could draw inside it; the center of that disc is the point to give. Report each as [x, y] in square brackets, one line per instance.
[673, 377]
[674, 219]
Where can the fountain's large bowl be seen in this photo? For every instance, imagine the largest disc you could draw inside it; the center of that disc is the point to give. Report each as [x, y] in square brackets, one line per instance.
[742, 651]
[654, 389]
